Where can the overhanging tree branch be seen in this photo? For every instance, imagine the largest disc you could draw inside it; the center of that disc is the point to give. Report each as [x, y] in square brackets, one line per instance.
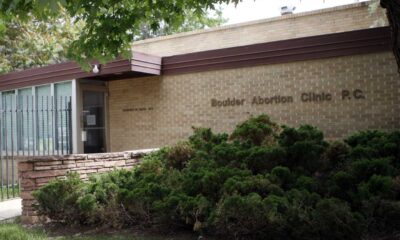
[393, 14]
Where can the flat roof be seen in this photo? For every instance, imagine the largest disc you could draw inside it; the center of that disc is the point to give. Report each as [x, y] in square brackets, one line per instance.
[254, 22]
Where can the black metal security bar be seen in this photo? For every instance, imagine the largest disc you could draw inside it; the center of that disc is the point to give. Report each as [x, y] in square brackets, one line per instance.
[31, 126]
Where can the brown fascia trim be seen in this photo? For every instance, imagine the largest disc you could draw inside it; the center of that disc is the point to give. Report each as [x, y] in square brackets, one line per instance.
[140, 64]
[300, 49]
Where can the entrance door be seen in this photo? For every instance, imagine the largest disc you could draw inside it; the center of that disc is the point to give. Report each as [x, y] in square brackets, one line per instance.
[93, 121]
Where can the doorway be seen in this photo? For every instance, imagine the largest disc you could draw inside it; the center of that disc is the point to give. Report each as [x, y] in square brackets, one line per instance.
[93, 121]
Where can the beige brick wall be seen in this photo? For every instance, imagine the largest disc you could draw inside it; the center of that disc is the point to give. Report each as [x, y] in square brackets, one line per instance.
[332, 20]
[152, 112]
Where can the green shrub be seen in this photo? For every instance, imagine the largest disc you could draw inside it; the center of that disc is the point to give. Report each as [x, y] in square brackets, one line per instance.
[298, 214]
[304, 147]
[258, 130]
[342, 185]
[58, 199]
[367, 138]
[179, 155]
[138, 197]
[281, 176]
[263, 159]
[375, 144]
[376, 186]
[178, 209]
[334, 220]
[307, 183]
[396, 187]
[386, 216]
[203, 139]
[263, 182]
[336, 156]
[394, 147]
[209, 182]
[101, 202]
[227, 154]
[364, 169]
[245, 217]
[249, 184]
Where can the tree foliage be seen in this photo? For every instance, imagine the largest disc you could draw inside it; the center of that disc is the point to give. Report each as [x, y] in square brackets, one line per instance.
[34, 43]
[110, 25]
[38, 42]
[393, 14]
[192, 21]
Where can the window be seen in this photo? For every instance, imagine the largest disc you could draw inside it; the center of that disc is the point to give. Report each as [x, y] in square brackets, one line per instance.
[63, 119]
[7, 120]
[36, 120]
[25, 119]
[63, 89]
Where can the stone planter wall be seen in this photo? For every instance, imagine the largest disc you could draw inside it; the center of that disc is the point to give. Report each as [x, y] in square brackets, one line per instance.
[37, 171]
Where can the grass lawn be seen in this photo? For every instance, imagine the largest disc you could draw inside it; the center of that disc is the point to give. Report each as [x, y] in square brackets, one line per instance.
[16, 232]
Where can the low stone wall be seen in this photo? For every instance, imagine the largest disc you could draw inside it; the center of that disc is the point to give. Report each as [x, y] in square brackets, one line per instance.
[37, 171]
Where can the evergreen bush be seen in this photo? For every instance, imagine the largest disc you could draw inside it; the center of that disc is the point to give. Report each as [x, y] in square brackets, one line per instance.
[261, 182]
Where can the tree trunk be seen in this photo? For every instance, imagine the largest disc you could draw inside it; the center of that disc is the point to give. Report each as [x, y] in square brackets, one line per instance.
[393, 14]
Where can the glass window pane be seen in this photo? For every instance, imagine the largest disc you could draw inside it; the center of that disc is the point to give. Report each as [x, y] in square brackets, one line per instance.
[25, 120]
[44, 123]
[43, 90]
[7, 118]
[7, 97]
[32, 121]
[25, 92]
[63, 93]
[63, 89]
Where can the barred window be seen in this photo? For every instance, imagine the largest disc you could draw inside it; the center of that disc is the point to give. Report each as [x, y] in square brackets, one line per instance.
[36, 120]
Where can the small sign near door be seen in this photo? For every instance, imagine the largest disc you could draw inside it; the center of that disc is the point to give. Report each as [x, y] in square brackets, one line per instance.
[91, 120]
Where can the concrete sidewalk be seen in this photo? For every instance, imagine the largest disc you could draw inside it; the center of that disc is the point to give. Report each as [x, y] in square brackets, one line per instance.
[10, 209]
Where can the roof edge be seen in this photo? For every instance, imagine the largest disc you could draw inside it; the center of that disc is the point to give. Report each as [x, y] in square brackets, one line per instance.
[254, 22]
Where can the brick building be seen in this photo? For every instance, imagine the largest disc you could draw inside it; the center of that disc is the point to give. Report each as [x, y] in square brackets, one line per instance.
[330, 68]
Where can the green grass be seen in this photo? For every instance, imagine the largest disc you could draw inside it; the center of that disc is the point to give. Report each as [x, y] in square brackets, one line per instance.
[16, 232]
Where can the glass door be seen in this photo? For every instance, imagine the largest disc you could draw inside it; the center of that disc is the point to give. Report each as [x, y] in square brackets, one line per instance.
[93, 114]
